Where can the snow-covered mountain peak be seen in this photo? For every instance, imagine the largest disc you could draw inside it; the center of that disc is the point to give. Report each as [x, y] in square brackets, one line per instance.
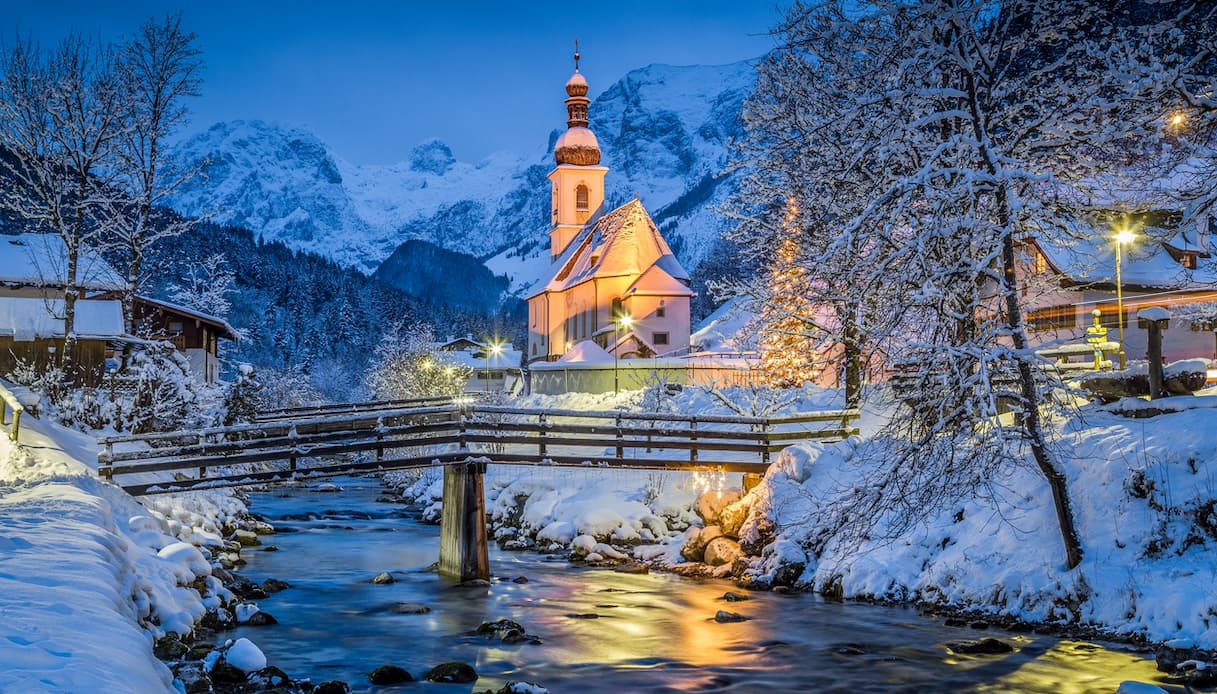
[664, 131]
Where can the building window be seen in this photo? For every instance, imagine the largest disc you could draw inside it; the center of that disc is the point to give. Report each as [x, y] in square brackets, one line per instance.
[175, 327]
[617, 311]
[660, 312]
[1189, 261]
[658, 339]
[581, 196]
[1053, 318]
[1041, 263]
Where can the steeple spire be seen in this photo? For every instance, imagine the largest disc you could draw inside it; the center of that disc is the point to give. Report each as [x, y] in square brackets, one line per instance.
[577, 145]
[576, 55]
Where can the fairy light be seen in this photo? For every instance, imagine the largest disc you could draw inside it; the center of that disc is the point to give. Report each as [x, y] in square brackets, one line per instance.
[787, 354]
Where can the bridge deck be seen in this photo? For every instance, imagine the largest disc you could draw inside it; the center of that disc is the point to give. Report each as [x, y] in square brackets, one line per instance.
[306, 444]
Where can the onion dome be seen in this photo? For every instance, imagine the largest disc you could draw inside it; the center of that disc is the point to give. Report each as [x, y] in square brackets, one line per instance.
[578, 144]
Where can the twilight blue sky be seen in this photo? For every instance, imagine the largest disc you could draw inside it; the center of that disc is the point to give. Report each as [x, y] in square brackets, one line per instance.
[374, 78]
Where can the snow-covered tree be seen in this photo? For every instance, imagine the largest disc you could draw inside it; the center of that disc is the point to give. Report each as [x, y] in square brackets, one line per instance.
[242, 399]
[159, 68]
[406, 365]
[60, 119]
[931, 139]
[206, 286]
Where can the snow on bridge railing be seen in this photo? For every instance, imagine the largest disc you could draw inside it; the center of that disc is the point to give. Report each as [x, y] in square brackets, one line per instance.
[11, 402]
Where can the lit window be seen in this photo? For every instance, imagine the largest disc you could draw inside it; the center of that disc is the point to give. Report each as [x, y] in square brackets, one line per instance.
[1041, 263]
[1189, 261]
[581, 195]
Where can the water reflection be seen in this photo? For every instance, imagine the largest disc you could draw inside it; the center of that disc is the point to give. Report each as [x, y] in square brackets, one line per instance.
[609, 632]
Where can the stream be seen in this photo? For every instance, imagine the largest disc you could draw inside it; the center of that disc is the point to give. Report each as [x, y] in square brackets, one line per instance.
[649, 633]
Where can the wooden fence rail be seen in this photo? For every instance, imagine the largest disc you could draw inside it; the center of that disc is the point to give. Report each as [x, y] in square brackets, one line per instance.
[440, 435]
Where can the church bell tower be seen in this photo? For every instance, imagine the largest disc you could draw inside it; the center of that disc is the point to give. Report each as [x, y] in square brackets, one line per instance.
[577, 181]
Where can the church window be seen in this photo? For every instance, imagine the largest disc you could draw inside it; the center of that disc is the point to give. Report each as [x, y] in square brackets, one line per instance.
[618, 312]
[658, 339]
[581, 198]
[661, 311]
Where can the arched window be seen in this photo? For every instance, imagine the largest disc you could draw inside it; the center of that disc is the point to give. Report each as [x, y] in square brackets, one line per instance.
[581, 195]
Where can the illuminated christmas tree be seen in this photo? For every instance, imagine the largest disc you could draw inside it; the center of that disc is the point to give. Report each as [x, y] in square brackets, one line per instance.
[788, 353]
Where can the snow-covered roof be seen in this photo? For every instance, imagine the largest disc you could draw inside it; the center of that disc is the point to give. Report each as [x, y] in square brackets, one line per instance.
[620, 243]
[577, 137]
[1087, 255]
[40, 260]
[586, 352]
[507, 359]
[226, 329]
[26, 319]
[657, 282]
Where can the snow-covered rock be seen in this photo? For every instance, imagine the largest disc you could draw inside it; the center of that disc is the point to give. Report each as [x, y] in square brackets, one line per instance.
[245, 656]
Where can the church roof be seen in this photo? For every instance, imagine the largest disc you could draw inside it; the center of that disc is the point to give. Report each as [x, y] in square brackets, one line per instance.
[620, 243]
[657, 282]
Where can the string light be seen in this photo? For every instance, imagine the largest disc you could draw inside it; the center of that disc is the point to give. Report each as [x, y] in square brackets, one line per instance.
[788, 356]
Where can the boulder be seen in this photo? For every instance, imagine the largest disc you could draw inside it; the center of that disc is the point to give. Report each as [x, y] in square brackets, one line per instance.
[193, 677]
[732, 596]
[274, 585]
[725, 617]
[247, 538]
[522, 688]
[710, 504]
[409, 608]
[632, 567]
[333, 687]
[454, 672]
[732, 518]
[1172, 654]
[226, 673]
[694, 547]
[981, 647]
[170, 647]
[722, 550]
[383, 578]
[269, 677]
[389, 674]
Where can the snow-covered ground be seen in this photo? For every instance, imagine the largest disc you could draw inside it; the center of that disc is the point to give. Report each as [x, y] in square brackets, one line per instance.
[88, 576]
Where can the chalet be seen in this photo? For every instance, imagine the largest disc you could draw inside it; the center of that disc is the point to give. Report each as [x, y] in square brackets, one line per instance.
[495, 368]
[32, 284]
[193, 333]
[1162, 265]
[612, 279]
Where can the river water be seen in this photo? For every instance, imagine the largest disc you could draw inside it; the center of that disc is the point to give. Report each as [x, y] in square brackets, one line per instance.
[650, 633]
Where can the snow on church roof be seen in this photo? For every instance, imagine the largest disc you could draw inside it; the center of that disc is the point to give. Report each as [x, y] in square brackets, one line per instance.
[622, 242]
[40, 260]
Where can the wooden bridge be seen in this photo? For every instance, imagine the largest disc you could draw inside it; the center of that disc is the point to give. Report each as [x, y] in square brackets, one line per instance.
[460, 435]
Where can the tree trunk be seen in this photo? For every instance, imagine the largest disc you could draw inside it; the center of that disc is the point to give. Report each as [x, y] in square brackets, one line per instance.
[1031, 414]
[851, 343]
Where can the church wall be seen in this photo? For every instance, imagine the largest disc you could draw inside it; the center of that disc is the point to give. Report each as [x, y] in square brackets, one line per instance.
[674, 321]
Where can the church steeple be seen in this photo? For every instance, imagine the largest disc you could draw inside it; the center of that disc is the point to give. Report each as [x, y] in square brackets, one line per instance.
[578, 180]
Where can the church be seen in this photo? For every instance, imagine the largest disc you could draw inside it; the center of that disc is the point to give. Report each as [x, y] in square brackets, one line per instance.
[614, 286]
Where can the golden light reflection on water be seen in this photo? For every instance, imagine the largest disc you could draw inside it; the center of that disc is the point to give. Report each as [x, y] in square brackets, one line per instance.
[1071, 667]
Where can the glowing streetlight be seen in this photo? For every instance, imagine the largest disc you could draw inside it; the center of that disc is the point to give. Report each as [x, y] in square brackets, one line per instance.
[624, 321]
[495, 348]
[1122, 237]
[1178, 119]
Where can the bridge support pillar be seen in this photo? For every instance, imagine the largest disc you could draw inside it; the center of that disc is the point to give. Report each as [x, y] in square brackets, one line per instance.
[463, 552]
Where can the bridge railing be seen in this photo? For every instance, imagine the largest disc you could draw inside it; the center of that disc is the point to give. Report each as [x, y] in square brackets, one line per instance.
[10, 404]
[308, 411]
[416, 437]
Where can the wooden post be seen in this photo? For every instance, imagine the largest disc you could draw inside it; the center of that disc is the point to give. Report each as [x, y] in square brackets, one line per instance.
[620, 445]
[541, 437]
[463, 551]
[765, 441]
[380, 437]
[693, 439]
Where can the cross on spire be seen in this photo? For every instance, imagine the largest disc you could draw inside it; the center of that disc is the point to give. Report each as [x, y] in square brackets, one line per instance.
[576, 55]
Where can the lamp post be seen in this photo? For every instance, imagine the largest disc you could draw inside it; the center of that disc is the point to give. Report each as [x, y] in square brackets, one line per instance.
[495, 348]
[1123, 236]
[622, 321]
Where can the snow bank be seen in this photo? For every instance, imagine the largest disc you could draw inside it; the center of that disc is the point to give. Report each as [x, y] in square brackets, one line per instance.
[1145, 501]
[88, 576]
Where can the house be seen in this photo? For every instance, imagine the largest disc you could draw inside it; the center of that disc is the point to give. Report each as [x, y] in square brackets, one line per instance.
[193, 333]
[612, 278]
[495, 368]
[33, 280]
[1163, 265]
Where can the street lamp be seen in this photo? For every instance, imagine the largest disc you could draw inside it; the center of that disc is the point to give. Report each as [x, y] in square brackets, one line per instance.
[622, 321]
[495, 348]
[1122, 237]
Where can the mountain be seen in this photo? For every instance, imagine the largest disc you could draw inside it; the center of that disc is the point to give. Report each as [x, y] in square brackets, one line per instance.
[664, 131]
[446, 278]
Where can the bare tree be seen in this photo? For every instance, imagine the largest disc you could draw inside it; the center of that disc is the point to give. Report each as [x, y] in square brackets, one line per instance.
[59, 120]
[160, 69]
